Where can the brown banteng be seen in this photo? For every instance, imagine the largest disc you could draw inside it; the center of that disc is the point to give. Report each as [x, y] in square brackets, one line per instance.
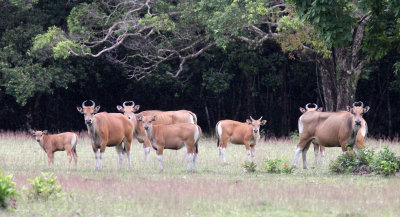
[107, 129]
[332, 129]
[172, 136]
[317, 148]
[57, 142]
[163, 117]
[238, 133]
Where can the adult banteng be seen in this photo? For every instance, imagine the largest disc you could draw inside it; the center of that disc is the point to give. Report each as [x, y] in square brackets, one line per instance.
[318, 149]
[332, 129]
[172, 136]
[238, 133]
[57, 142]
[107, 129]
[163, 117]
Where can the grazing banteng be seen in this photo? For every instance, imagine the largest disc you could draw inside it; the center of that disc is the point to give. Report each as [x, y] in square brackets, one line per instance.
[172, 136]
[238, 133]
[317, 148]
[57, 142]
[163, 117]
[107, 129]
[332, 129]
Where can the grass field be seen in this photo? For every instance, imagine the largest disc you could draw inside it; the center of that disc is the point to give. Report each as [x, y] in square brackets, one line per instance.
[215, 190]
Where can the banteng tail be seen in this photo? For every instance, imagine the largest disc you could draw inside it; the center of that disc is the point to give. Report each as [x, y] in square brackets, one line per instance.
[194, 117]
[218, 131]
[199, 133]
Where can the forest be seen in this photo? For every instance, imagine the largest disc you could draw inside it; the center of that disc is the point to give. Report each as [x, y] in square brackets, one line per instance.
[221, 59]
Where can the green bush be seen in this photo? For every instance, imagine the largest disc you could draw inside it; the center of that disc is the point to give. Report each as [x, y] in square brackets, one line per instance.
[8, 191]
[352, 163]
[45, 187]
[386, 162]
[249, 167]
[277, 166]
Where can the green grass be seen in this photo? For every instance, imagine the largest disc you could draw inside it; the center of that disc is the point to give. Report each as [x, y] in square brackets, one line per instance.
[215, 190]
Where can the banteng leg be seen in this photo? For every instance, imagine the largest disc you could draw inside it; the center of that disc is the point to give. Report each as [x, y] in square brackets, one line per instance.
[248, 152]
[304, 152]
[69, 154]
[223, 144]
[299, 149]
[146, 148]
[252, 150]
[322, 150]
[75, 155]
[316, 153]
[97, 157]
[102, 150]
[190, 150]
[160, 151]
[120, 151]
[185, 153]
[50, 159]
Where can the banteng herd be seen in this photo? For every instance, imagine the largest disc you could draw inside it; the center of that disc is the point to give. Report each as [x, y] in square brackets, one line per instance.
[178, 129]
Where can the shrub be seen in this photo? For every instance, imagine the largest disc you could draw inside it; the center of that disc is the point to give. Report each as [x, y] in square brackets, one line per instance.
[352, 163]
[277, 165]
[8, 191]
[386, 162]
[44, 187]
[249, 167]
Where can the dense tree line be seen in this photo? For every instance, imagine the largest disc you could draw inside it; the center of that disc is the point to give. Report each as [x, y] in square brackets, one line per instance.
[220, 59]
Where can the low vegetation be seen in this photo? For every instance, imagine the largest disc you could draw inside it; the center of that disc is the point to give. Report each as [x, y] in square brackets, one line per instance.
[216, 189]
[366, 161]
[45, 187]
[8, 191]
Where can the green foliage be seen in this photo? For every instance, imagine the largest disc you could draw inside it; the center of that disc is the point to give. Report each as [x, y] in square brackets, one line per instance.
[384, 163]
[8, 191]
[278, 165]
[217, 82]
[45, 187]
[249, 166]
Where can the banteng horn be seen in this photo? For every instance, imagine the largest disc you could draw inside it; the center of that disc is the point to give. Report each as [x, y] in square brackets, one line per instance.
[84, 102]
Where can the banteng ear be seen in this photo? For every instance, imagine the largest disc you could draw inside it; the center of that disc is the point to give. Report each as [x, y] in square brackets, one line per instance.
[366, 109]
[139, 117]
[154, 118]
[80, 109]
[136, 108]
[120, 108]
[319, 109]
[96, 109]
[302, 110]
[263, 122]
[45, 132]
[349, 109]
[248, 121]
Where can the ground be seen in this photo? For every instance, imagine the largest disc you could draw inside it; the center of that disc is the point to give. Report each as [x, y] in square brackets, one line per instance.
[215, 190]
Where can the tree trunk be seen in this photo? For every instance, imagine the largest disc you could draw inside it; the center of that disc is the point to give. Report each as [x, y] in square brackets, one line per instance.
[328, 80]
[284, 102]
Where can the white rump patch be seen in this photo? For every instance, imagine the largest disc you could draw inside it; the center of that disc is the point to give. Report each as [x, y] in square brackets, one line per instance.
[196, 134]
[219, 130]
[191, 119]
[73, 141]
[364, 129]
[300, 125]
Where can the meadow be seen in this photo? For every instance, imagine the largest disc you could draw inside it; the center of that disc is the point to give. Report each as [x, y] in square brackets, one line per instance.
[215, 190]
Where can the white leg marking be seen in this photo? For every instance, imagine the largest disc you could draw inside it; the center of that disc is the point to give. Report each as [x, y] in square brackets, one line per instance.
[304, 158]
[146, 153]
[253, 150]
[322, 156]
[248, 152]
[300, 125]
[194, 162]
[296, 157]
[223, 151]
[128, 154]
[190, 163]
[160, 166]
[101, 160]
[316, 151]
[219, 129]
[120, 159]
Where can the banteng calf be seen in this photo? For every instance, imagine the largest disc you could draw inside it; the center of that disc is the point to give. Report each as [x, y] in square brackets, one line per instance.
[172, 136]
[57, 142]
[238, 133]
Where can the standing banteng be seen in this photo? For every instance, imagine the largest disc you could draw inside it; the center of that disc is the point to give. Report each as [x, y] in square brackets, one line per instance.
[317, 148]
[163, 117]
[172, 136]
[332, 129]
[57, 142]
[107, 129]
[238, 133]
